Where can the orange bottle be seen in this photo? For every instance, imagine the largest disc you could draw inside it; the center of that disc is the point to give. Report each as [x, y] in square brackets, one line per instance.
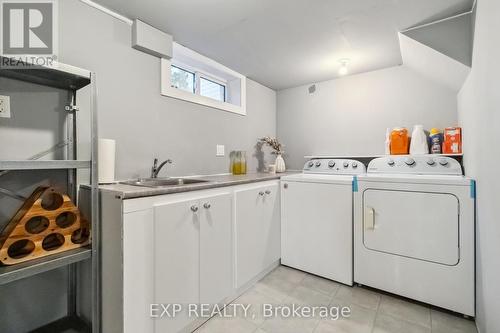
[399, 141]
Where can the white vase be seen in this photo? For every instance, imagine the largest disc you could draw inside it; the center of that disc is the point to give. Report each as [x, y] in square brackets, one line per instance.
[280, 164]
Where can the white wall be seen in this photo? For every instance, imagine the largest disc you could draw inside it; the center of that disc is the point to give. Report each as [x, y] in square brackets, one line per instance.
[479, 115]
[144, 123]
[349, 116]
[451, 37]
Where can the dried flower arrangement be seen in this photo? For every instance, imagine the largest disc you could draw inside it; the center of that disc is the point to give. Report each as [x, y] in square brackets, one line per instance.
[274, 144]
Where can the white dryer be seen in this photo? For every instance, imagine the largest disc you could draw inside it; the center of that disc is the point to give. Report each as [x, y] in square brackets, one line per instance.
[414, 230]
[317, 220]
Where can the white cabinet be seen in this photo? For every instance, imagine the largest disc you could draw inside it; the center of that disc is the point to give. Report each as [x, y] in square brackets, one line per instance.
[216, 269]
[183, 248]
[257, 229]
[137, 277]
[192, 253]
[176, 259]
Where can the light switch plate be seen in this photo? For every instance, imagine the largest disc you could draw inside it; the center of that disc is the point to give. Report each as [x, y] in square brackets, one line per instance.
[220, 150]
[4, 106]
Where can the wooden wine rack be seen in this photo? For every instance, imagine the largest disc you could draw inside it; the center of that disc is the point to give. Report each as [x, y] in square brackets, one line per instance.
[47, 223]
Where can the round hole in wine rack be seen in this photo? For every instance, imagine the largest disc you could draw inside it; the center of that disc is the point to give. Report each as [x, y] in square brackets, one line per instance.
[52, 201]
[37, 224]
[21, 248]
[53, 242]
[65, 219]
[80, 236]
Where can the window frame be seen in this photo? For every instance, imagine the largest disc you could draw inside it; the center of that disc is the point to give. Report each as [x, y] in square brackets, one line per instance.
[233, 82]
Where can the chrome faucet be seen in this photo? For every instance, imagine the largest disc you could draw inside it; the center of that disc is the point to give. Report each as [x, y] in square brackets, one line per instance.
[156, 168]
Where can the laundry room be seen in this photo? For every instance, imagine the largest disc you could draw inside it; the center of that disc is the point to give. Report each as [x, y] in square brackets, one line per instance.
[283, 166]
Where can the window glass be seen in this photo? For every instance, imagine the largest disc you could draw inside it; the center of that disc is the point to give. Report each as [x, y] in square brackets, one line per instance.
[182, 79]
[212, 89]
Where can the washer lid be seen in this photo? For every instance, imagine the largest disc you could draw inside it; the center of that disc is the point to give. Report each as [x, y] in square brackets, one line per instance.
[320, 178]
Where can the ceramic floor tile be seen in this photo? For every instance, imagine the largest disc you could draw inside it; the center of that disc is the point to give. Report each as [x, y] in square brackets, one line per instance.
[360, 320]
[227, 325]
[388, 324]
[371, 312]
[320, 284]
[288, 274]
[289, 325]
[358, 296]
[402, 309]
[255, 300]
[307, 296]
[443, 322]
[275, 286]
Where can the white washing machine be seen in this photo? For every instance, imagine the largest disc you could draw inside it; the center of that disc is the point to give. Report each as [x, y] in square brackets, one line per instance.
[316, 218]
[414, 230]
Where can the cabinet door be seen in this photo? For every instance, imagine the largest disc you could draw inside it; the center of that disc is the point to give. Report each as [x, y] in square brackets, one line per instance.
[271, 225]
[257, 230]
[215, 248]
[138, 278]
[176, 258]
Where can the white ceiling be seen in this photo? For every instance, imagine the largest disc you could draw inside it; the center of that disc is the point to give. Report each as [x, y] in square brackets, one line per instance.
[286, 43]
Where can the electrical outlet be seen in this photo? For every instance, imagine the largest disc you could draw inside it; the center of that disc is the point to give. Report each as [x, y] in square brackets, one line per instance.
[4, 106]
[220, 150]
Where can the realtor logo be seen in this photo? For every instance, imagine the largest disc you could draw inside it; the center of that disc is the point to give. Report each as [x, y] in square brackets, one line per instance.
[29, 32]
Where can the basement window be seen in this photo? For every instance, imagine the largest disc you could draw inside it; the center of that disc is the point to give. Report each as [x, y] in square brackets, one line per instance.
[195, 78]
[182, 79]
[212, 89]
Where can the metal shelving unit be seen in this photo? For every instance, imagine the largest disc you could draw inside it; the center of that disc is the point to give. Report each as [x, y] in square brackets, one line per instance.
[60, 75]
[16, 272]
[44, 165]
[66, 324]
[72, 79]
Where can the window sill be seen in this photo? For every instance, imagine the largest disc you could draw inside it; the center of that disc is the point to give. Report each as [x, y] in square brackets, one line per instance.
[202, 100]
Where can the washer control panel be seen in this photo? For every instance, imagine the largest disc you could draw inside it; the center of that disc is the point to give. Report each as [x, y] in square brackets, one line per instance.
[416, 164]
[334, 166]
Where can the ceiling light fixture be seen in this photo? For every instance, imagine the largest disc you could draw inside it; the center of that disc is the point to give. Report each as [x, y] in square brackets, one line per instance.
[343, 67]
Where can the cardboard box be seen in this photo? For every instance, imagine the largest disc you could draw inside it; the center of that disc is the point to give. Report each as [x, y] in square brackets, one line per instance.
[452, 140]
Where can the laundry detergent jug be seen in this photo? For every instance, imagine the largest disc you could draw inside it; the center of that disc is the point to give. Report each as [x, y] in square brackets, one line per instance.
[399, 141]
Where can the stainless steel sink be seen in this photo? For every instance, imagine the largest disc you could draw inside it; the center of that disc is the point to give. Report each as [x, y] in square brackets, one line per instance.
[160, 182]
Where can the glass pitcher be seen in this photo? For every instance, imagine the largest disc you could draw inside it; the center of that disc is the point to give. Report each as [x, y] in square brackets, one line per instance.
[239, 163]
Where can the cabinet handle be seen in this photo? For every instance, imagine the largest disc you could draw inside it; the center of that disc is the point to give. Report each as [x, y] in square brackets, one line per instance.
[268, 192]
[285, 185]
[261, 193]
[194, 208]
[207, 205]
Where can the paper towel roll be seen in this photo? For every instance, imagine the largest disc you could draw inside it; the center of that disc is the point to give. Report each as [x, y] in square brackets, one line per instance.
[106, 162]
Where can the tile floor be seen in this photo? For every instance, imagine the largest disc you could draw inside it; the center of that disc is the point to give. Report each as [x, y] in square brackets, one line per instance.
[371, 312]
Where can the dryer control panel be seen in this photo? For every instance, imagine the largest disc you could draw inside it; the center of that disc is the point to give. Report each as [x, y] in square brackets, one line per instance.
[334, 166]
[416, 164]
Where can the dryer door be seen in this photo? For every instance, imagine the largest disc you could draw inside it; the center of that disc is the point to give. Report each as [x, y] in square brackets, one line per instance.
[419, 225]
